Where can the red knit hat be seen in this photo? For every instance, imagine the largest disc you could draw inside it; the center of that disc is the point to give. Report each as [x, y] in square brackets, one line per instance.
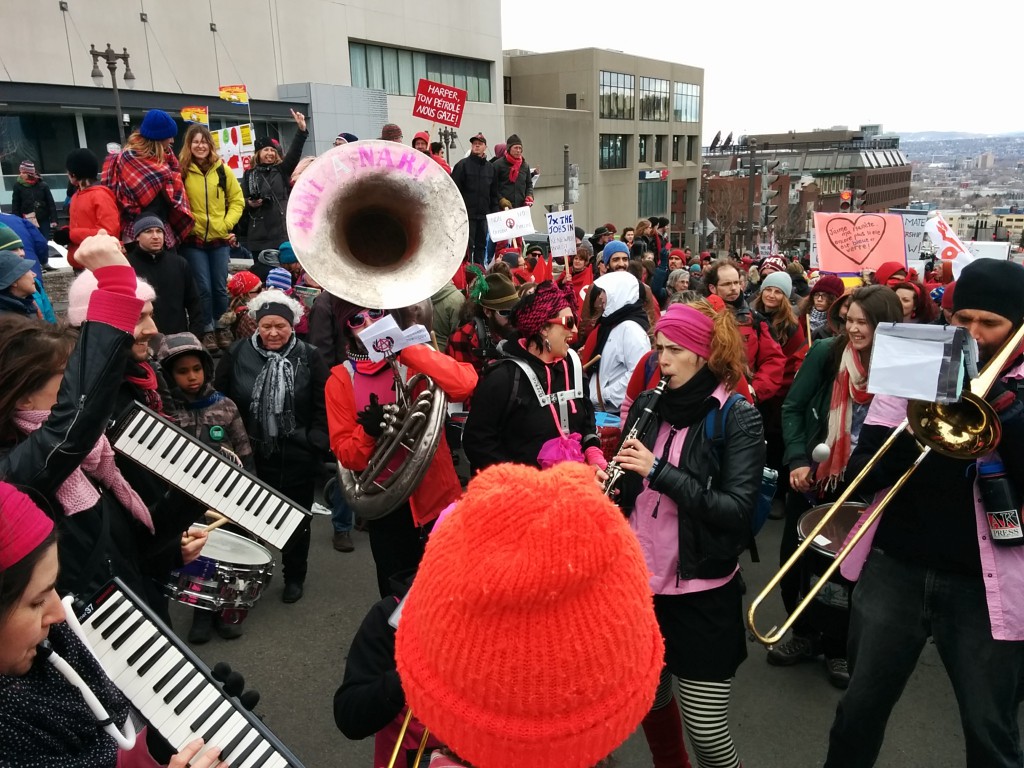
[830, 284]
[242, 283]
[529, 636]
[23, 525]
[887, 269]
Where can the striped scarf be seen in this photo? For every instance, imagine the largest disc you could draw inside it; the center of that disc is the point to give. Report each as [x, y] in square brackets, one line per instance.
[273, 395]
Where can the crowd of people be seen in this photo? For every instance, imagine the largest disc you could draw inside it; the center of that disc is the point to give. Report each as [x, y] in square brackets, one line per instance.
[638, 382]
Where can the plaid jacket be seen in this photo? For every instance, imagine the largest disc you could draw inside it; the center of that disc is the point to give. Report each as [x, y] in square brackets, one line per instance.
[138, 182]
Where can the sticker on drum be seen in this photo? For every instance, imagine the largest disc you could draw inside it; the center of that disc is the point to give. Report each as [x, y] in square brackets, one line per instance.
[231, 572]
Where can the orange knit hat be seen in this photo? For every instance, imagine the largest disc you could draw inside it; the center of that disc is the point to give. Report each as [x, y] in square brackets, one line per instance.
[529, 635]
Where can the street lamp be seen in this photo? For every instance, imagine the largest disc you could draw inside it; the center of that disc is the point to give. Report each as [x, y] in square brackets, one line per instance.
[111, 58]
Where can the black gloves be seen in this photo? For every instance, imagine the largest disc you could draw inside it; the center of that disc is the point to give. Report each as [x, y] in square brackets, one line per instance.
[62, 236]
[371, 418]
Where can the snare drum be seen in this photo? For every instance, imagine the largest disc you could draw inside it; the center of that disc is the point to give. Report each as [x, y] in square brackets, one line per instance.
[824, 547]
[231, 572]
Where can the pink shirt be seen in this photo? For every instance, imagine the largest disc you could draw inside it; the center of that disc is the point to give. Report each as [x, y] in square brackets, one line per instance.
[1002, 567]
[659, 535]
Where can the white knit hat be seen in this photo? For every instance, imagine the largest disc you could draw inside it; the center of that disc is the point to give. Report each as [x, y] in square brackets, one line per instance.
[780, 280]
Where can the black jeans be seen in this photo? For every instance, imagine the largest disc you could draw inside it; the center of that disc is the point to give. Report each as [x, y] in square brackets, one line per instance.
[828, 623]
[396, 544]
[898, 607]
[295, 553]
[477, 251]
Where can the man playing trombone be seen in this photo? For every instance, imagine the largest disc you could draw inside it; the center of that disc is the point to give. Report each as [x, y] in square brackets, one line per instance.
[934, 568]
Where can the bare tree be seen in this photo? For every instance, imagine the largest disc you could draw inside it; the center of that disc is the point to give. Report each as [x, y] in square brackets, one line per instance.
[726, 201]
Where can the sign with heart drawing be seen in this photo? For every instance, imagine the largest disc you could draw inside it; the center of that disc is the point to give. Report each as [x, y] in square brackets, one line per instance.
[851, 243]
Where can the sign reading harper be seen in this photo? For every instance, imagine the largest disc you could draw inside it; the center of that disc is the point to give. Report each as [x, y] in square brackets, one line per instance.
[439, 103]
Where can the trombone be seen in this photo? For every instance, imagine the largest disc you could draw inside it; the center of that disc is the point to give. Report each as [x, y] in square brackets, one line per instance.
[964, 430]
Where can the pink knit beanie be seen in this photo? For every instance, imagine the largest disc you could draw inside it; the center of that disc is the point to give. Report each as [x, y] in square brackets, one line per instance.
[82, 288]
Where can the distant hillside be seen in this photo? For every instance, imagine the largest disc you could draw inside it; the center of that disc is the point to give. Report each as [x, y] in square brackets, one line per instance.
[950, 135]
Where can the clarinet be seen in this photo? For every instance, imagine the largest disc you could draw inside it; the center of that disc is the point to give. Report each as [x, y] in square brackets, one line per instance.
[613, 470]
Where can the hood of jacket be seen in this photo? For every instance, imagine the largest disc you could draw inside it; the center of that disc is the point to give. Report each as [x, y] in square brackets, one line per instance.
[621, 288]
[173, 345]
[444, 292]
[422, 135]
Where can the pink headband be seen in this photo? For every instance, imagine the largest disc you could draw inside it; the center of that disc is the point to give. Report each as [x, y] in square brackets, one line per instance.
[690, 329]
[23, 526]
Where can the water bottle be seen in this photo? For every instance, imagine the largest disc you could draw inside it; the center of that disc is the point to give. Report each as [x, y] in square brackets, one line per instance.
[1001, 503]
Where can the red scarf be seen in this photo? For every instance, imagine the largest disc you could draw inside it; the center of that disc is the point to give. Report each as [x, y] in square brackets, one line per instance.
[849, 387]
[516, 164]
[146, 381]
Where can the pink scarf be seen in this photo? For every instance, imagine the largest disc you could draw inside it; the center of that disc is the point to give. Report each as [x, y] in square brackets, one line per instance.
[77, 494]
[850, 386]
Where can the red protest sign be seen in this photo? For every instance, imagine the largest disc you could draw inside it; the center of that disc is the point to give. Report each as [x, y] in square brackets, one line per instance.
[439, 103]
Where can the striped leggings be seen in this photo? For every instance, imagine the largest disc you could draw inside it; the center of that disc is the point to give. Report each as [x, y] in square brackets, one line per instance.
[706, 716]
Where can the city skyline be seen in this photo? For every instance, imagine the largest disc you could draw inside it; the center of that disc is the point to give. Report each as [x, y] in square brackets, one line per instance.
[797, 77]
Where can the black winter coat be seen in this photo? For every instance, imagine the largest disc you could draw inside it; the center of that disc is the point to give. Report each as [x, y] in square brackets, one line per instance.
[474, 177]
[716, 495]
[307, 446]
[516, 191]
[34, 198]
[265, 226]
[177, 308]
[104, 541]
[506, 423]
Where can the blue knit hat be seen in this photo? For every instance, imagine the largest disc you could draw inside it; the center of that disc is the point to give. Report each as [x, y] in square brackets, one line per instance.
[615, 246]
[157, 125]
[285, 254]
[279, 278]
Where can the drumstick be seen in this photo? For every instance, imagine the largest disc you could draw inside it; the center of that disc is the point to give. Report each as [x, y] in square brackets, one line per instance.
[218, 520]
[594, 360]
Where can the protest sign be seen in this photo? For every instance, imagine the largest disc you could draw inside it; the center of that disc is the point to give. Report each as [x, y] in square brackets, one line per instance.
[850, 243]
[515, 222]
[235, 147]
[236, 94]
[920, 362]
[913, 230]
[439, 103]
[385, 338]
[561, 234]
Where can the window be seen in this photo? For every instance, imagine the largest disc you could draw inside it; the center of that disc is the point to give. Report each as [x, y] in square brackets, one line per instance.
[659, 149]
[397, 71]
[570, 101]
[692, 150]
[507, 85]
[676, 140]
[686, 103]
[653, 99]
[44, 138]
[652, 198]
[641, 150]
[615, 95]
[613, 151]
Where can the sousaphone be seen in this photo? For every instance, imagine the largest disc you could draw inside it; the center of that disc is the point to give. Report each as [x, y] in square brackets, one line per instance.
[383, 226]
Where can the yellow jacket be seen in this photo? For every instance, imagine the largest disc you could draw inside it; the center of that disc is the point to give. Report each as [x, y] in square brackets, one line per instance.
[215, 216]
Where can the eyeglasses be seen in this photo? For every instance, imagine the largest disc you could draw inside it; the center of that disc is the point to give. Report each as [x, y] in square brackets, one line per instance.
[566, 322]
[360, 319]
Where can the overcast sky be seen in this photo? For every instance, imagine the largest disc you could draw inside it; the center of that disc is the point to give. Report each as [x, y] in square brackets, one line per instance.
[799, 65]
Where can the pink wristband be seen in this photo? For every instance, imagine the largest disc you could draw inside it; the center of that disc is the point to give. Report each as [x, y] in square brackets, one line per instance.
[114, 302]
[595, 457]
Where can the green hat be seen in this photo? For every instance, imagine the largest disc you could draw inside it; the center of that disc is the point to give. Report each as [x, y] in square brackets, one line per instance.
[9, 239]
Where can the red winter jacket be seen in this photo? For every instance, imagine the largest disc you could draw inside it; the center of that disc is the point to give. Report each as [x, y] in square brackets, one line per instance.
[92, 209]
[764, 355]
[353, 447]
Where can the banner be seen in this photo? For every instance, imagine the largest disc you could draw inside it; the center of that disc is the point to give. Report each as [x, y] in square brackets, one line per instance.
[913, 230]
[506, 225]
[439, 103]
[561, 234]
[236, 147]
[847, 244]
[199, 115]
[948, 246]
[236, 94]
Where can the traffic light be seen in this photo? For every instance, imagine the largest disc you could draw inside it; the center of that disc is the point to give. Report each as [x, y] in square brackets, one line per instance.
[859, 196]
[768, 178]
[845, 201]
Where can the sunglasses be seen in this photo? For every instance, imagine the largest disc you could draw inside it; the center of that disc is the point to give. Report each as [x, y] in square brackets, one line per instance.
[360, 319]
[503, 312]
[566, 322]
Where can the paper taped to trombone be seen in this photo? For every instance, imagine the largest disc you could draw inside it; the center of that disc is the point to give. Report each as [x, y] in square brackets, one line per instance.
[385, 338]
[506, 225]
[921, 362]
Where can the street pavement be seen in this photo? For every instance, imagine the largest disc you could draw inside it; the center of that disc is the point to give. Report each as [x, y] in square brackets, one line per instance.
[295, 656]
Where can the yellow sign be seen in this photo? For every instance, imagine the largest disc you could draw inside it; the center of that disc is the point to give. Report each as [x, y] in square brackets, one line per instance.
[196, 115]
[236, 94]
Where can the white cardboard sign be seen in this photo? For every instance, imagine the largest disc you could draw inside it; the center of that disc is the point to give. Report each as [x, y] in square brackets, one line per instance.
[515, 222]
[561, 233]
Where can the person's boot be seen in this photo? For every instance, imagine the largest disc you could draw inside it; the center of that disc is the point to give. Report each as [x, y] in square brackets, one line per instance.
[228, 623]
[664, 731]
[202, 627]
[209, 342]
